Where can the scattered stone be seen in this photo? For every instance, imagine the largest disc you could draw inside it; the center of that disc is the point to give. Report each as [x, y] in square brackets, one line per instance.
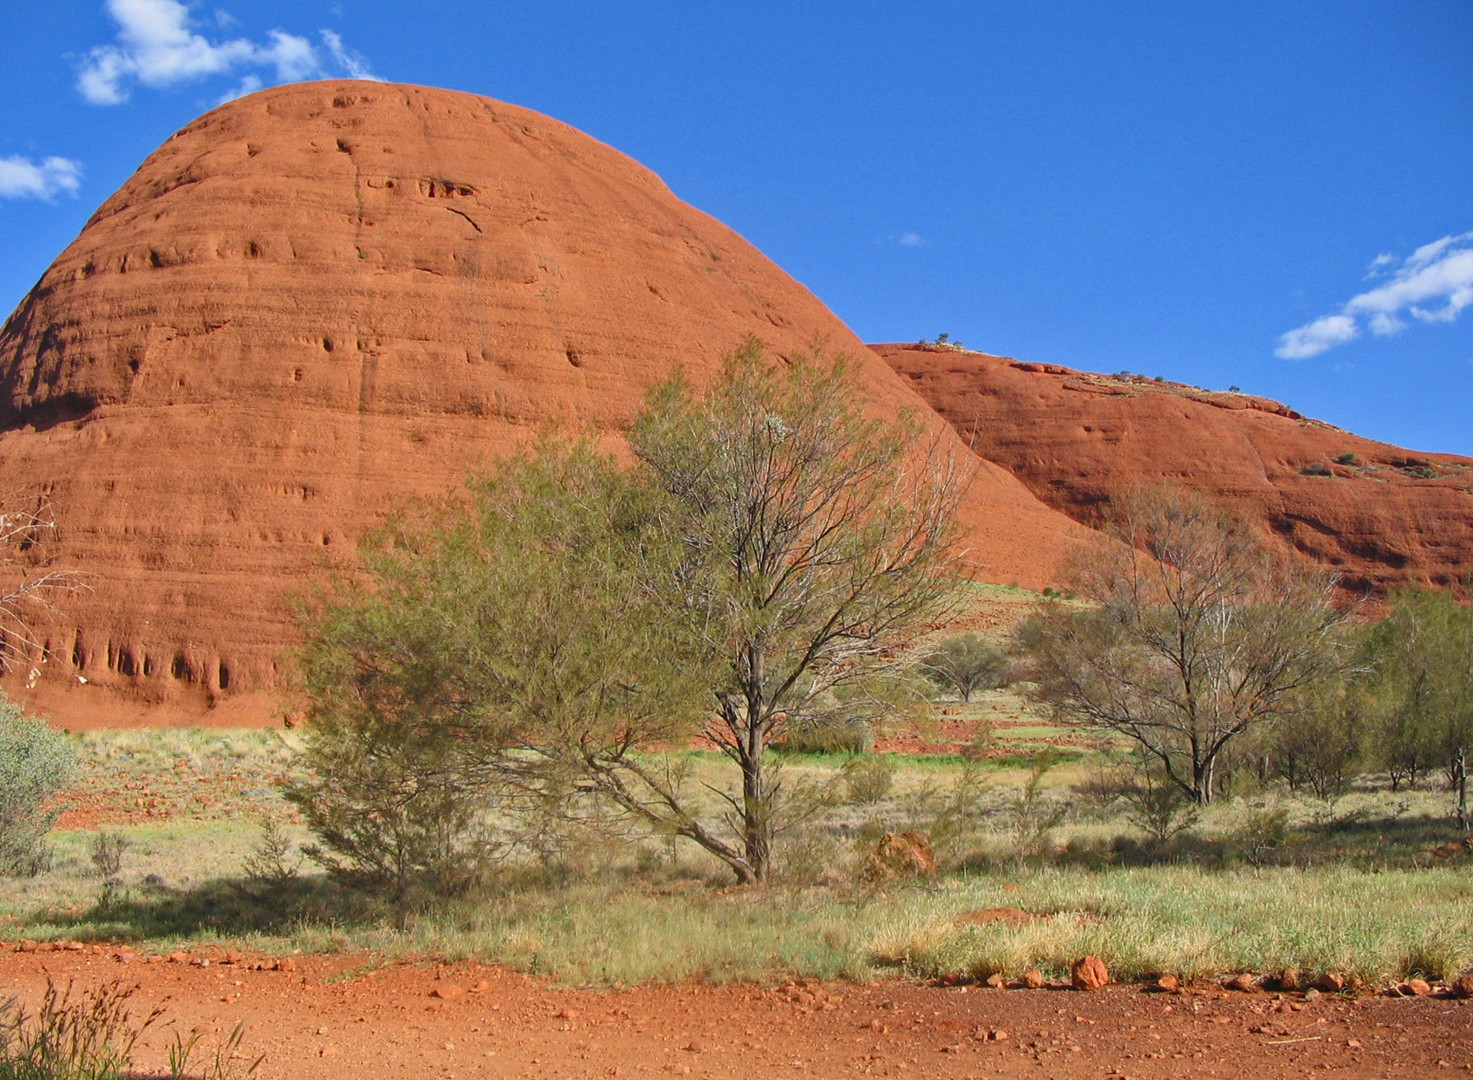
[695, 1046]
[900, 855]
[996, 980]
[1331, 982]
[1245, 983]
[1033, 980]
[1417, 988]
[1090, 973]
[1169, 984]
[178, 958]
[1311, 994]
[566, 1014]
[997, 1035]
[447, 992]
[1462, 986]
[1289, 980]
[481, 987]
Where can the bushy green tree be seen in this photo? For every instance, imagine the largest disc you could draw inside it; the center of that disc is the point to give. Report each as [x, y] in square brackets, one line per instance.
[966, 663]
[1192, 637]
[495, 662]
[36, 765]
[1420, 658]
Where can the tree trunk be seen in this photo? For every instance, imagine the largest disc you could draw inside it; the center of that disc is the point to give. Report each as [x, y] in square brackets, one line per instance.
[1202, 780]
[756, 799]
[756, 816]
[1460, 766]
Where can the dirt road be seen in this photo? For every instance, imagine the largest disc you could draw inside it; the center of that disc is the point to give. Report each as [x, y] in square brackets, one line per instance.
[358, 1016]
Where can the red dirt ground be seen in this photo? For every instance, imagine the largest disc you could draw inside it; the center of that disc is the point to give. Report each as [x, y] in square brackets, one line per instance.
[355, 1016]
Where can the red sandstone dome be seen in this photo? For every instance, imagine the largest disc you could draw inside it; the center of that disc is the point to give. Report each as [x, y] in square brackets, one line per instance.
[322, 298]
[1378, 515]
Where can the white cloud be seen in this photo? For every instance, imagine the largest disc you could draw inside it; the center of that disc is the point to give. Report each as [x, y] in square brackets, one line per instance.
[1314, 338]
[1378, 266]
[21, 178]
[156, 47]
[911, 239]
[1433, 285]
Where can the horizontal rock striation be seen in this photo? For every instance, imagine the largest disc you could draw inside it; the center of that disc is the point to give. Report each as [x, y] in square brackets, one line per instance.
[1378, 515]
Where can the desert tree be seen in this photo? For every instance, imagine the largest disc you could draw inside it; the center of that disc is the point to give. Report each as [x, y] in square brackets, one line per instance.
[495, 664]
[965, 663]
[1190, 636]
[829, 537]
[1420, 660]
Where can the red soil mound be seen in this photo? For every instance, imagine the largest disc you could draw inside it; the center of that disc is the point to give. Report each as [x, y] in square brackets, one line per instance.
[323, 298]
[1377, 514]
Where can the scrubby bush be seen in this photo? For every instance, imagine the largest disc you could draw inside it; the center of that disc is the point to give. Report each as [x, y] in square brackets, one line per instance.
[36, 765]
[965, 664]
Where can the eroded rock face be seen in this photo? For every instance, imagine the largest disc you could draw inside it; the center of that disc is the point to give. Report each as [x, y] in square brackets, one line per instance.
[1378, 515]
[320, 299]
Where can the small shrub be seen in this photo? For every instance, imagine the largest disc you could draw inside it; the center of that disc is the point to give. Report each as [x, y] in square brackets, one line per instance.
[108, 850]
[824, 736]
[982, 743]
[868, 778]
[1156, 805]
[1316, 468]
[1261, 832]
[1347, 459]
[964, 664]
[272, 864]
[36, 765]
[1032, 815]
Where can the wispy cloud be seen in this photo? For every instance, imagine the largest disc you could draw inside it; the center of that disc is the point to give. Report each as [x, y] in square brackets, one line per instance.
[911, 239]
[1432, 285]
[22, 178]
[157, 46]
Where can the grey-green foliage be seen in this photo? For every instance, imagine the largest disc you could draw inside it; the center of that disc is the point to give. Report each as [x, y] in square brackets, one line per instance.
[36, 765]
[493, 673]
[1324, 744]
[965, 663]
[1420, 660]
[829, 536]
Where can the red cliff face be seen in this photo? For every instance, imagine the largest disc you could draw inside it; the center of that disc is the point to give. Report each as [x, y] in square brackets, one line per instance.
[1377, 514]
[323, 298]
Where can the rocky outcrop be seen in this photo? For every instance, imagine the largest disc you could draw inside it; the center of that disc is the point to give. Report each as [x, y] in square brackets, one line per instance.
[1376, 514]
[321, 299]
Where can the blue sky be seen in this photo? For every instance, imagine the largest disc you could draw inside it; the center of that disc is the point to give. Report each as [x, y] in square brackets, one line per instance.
[1277, 196]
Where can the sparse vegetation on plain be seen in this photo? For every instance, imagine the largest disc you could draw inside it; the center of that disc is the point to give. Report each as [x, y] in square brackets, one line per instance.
[1266, 879]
